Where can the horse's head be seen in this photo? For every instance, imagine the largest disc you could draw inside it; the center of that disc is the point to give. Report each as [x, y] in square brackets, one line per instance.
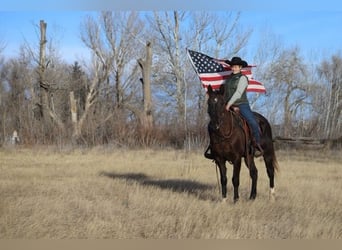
[216, 104]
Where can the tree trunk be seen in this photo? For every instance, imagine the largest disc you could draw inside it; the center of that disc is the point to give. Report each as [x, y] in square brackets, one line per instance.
[76, 133]
[89, 102]
[146, 118]
[44, 88]
[287, 115]
[46, 102]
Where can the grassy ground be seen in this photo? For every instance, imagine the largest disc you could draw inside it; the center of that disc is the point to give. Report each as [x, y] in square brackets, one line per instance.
[147, 194]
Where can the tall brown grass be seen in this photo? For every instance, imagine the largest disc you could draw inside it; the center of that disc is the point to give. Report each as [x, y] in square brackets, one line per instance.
[169, 194]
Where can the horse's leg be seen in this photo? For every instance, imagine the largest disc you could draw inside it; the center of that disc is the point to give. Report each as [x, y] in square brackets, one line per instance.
[253, 172]
[270, 172]
[236, 178]
[269, 162]
[223, 175]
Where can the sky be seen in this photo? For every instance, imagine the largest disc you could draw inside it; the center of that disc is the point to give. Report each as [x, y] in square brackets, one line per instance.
[314, 32]
[19, 27]
[313, 26]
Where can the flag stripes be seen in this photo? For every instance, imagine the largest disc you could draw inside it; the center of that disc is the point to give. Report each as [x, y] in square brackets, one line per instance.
[213, 72]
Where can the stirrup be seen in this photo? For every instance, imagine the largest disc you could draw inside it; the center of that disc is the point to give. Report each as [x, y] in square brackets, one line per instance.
[258, 151]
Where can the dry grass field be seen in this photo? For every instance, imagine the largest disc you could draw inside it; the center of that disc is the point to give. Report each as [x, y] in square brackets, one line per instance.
[169, 194]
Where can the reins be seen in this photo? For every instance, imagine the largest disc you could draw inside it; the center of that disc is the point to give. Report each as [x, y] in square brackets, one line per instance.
[220, 134]
[231, 125]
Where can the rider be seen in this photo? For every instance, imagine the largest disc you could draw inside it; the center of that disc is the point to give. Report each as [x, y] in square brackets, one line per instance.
[235, 97]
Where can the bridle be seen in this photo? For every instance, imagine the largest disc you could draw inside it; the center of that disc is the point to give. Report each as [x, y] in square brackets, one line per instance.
[219, 114]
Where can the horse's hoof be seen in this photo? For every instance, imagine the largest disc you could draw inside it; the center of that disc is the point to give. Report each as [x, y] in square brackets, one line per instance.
[224, 200]
[252, 197]
[236, 200]
[272, 194]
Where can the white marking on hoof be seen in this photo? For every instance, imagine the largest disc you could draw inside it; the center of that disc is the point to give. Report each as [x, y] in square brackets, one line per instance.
[272, 194]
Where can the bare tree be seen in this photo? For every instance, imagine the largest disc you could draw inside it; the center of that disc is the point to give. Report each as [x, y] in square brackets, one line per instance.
[10, 98]
[266, 53]
[16, 80]
[114, 44]
[90, 100]
[331, 74]
[46, 103]
[167, 28]
[288, 76]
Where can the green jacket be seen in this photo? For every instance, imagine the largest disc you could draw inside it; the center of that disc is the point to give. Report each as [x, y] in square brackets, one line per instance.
[230, 87]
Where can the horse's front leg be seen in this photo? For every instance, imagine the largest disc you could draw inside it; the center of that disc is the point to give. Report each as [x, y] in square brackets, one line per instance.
[236, 178]
[223, 175]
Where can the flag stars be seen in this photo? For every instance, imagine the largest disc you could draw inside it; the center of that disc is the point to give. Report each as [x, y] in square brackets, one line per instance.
[214, 71]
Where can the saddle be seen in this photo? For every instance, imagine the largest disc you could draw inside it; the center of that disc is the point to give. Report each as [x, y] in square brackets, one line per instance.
[250, 140]
[243, 123]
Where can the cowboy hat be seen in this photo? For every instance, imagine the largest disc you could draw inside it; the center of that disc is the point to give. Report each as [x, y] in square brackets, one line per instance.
[237, 61]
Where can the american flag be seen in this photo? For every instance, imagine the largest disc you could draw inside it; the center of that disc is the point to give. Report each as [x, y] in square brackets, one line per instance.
[213, 72]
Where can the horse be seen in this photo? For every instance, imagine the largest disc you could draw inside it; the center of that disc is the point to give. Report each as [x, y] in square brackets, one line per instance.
[230, 142]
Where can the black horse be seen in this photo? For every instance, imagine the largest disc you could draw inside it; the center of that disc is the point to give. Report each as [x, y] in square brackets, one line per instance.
[230, 142]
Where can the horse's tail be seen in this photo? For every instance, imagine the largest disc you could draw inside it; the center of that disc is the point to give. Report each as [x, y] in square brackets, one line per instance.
[273, 155]
[274, 161]
[267, 131]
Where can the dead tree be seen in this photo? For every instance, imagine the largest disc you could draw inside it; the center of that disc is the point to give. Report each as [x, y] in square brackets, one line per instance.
[45, 104]
[331, 73]
[146, 118]
[89, 102]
